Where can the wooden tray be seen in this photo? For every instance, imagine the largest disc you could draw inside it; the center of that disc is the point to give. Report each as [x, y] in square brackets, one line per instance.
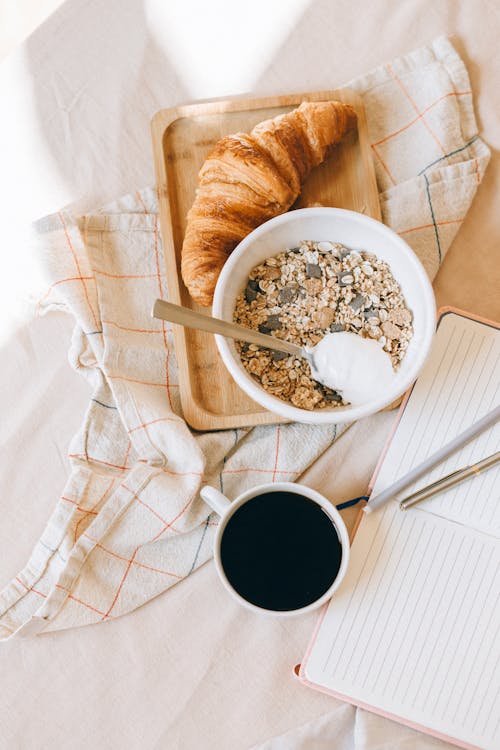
[182, 138]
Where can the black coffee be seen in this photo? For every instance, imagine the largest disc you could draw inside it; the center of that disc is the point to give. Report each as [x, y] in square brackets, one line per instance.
[280, 551]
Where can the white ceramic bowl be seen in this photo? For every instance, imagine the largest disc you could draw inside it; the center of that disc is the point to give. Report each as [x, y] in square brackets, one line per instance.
[357, 232]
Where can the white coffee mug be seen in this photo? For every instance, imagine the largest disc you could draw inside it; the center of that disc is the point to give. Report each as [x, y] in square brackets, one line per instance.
[226, 509]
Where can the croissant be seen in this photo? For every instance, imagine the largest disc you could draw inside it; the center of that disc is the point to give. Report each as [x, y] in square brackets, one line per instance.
[249, 178]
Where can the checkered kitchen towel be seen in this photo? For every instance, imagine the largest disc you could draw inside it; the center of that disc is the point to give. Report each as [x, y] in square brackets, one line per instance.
[130, 522]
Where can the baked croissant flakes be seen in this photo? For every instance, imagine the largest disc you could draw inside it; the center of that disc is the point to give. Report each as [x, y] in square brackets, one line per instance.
[249, 178]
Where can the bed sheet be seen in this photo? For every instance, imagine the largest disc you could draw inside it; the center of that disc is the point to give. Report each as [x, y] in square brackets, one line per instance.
[190, 669]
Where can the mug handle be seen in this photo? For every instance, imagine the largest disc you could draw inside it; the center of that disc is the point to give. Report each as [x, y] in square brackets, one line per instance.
[215, 499]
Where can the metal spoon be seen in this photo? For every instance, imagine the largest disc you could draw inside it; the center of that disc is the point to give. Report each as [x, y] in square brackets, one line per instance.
[190, 319]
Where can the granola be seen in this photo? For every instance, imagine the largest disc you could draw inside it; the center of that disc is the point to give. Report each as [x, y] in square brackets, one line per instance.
[301, 295]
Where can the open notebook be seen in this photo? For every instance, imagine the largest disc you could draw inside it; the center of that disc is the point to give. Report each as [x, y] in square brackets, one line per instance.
[414, 630]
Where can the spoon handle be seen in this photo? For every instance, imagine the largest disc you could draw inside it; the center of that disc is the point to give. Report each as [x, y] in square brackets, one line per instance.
[190, 319]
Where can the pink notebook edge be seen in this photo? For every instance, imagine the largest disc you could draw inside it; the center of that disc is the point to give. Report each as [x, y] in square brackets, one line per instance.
[299, 669]
[300, 674]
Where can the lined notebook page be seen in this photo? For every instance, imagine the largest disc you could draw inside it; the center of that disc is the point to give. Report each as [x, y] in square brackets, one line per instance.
[459, 385]
[414, 630]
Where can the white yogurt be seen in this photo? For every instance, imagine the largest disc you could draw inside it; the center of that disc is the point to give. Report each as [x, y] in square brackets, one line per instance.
[356, 367]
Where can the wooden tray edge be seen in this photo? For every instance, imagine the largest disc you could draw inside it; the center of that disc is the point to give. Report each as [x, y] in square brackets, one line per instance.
[165, 117]
[202, 420]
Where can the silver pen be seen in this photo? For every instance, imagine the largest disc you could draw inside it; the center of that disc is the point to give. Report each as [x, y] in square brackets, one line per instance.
[460, 475]
[429, 463]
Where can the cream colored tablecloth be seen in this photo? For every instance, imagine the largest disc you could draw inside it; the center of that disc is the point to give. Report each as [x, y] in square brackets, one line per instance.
[190, 669]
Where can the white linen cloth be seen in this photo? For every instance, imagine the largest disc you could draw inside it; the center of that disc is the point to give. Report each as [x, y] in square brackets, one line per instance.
[347, 727]
[129, 522]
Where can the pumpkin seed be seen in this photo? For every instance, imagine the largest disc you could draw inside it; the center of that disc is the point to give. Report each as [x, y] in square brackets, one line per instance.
[313, 271]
